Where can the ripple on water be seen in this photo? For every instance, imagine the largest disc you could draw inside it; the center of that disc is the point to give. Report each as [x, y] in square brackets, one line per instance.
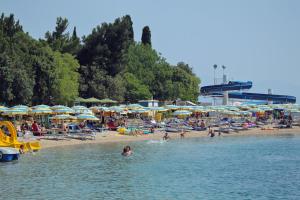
[200, 168]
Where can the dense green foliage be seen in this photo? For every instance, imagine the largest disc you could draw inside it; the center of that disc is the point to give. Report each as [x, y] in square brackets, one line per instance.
[60, 41]
[165, 82]
[101, 59]
[30, 71]
[107, 63]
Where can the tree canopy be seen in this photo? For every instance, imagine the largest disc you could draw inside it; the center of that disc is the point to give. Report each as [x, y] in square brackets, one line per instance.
[29, 69]
[107, 63]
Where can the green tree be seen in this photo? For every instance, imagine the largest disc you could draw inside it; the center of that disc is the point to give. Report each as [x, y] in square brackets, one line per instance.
[165, 82]
[60, 40]
[146, 36]
[135, 89]
[101, 59]
[66, 84]
[186, 85]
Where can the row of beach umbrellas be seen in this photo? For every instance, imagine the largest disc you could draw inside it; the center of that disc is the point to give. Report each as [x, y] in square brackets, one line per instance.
[136, 108]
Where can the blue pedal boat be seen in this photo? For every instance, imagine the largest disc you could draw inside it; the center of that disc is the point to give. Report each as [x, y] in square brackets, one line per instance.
[8, 154]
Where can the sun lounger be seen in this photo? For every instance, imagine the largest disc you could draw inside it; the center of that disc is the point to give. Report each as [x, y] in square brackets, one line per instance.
[174, 130]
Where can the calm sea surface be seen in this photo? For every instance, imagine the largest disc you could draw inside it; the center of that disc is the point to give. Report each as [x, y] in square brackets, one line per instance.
[202, 168]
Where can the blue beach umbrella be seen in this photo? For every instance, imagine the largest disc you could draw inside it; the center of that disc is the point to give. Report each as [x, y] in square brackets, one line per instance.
[41, 107]
[81, 109]
[139, 111]
[20, 107]
[41, 111]
[116, 109]
[62, 117]
[134, 106]
[65, 110]
[182, 112]
[56, 107]
[3, 109]
[172, 107]
[87, 117]
[158, 109]
[15, 112]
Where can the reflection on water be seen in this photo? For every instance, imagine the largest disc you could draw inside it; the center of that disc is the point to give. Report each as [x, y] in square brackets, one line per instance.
[201, 168]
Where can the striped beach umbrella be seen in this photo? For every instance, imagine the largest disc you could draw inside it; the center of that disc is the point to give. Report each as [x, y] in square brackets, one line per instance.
[41, 111]
[41, 107]
[56, 107]
[157, 109]
[62, 117]
[134, 106]
[81, 109]
[20, 107]
[15, 112]
[182, 112]
[65, 110]
[3, 109]
[87, 117]
[172, 107]
[138, 111]
[116, 109]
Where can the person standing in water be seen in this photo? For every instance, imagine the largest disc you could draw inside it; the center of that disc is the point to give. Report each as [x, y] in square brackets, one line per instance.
[182, 134]
[211, 132]
[21, 150]
[166, 136]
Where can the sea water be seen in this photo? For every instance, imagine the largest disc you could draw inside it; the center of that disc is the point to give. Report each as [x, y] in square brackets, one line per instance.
[245, 167]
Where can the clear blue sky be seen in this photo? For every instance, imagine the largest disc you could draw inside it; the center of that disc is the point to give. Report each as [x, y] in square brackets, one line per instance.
[257, 40]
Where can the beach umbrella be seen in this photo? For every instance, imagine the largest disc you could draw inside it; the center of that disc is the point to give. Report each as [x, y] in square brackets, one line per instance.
[107, 101]
[88, 111]
[182, 112]
[134, 106]
[41, 107]
[199, 109]
[41, 111]
[3, 109]
[116, 109]
[63, 117]
[245, 113]
[186, 107]
[65, 110]
[139, 111]
[80, 109]
[56, 107]
[87, 117]
[172, 107]
[158, 109]
[91, 100]
[20, 107]
[15, 112]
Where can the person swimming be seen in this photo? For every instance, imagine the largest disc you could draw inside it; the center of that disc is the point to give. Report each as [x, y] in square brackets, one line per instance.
[21, 150]
[127, 151]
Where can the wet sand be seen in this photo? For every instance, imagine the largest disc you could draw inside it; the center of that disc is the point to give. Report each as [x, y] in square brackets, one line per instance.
[113, 136]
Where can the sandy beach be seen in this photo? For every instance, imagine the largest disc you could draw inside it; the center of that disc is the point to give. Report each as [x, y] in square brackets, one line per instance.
[113, 136]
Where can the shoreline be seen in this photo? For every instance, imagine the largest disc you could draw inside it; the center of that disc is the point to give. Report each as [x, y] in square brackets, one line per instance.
[113, 137]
